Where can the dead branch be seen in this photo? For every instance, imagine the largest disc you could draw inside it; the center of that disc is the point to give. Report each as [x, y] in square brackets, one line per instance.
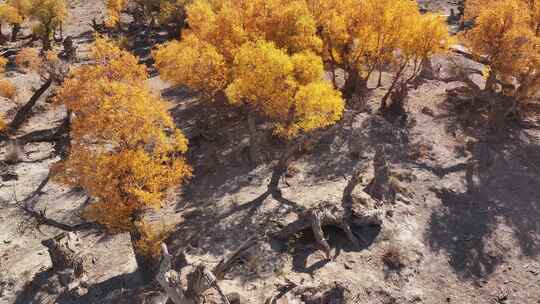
[23, 114]
[40, 216]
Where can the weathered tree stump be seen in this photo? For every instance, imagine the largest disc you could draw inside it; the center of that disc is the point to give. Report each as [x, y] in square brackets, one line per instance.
[381, 187]
[70, 50]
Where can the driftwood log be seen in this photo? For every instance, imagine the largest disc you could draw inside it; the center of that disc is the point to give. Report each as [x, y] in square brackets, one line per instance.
[198, 281]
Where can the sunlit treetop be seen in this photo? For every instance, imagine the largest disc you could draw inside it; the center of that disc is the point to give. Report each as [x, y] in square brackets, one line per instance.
[209, 70]
[293, 96]
[218, 29]
[508, 37]
[110, 63]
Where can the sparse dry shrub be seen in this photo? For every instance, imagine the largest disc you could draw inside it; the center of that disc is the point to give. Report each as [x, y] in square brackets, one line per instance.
[7, 89]
[28, 59]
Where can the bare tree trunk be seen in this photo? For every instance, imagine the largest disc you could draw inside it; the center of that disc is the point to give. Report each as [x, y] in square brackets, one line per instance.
[280, 168]
[394, 82]
[380, 187]
[490, 82]
[379, 81]
[15, 28]
[67, 263]
[354, 84]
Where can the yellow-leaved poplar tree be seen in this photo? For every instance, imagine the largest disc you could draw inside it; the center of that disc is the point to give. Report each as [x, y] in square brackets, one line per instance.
[218, 30]
[506, 35]
[168, 13]
[362, 36]
[8, 15]
[125, 149]
[294, 95]
[48, 16]
[7, 88]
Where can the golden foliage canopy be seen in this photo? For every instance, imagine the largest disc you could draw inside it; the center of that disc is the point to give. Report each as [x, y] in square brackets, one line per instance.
[362, 35]
[294, 95]
[48, 15]
[126, 151]
[218, 29]
[153, 11]
[507, 35]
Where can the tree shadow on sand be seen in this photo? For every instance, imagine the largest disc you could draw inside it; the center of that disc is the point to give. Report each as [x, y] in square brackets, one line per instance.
[502, 181]
[41, 290]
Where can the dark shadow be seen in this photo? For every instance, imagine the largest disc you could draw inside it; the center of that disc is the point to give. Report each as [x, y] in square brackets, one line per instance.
[43, 287]
[460, 227]
[30, 292]
[502, 181]
[306, 245]
[335, 295]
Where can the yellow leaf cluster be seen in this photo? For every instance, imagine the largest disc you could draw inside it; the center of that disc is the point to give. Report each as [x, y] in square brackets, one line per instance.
[208, 71]
[9, 14]
[114, 11]
[218, 29]
[151, 238]
[507, 35]
[294, 95]
[7, 88]
[49, 14]
[126, 151]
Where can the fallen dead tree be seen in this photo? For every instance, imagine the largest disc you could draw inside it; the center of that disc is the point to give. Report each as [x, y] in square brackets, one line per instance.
[328, 214]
